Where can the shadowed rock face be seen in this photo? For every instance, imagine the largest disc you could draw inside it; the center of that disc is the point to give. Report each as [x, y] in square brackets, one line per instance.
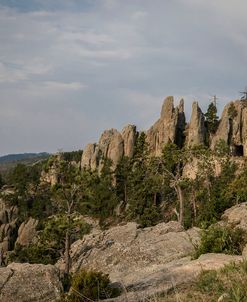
[233, 128]
[169, 127]
[8, 225]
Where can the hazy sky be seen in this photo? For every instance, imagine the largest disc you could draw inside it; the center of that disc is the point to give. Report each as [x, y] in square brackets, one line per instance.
[71, 68]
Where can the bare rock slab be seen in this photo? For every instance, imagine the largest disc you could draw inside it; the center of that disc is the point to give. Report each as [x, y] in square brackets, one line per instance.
[23, 282]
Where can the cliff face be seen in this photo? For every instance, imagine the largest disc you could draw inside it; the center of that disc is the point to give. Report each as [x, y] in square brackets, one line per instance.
[171, 127]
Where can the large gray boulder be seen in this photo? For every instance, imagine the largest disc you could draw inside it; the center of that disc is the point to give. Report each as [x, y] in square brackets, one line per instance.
[27, 232]
[30, 283]
[173, 274]
[236, 216]
[129, 254]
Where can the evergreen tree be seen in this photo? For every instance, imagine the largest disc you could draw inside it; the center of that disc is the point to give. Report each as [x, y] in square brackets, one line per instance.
[212, 120]
[122, 175]
[1, 181]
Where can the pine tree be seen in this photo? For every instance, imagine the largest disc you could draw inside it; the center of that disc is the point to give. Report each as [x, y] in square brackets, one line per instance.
[212, 120]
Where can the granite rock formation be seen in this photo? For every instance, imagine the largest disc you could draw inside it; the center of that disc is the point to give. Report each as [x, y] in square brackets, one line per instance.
[150, 260]
[233, 128]
[27, 231]
[22, 282]
[196, 131]
[8, 225]
[168, 128]
[112, 145]
[171, 128]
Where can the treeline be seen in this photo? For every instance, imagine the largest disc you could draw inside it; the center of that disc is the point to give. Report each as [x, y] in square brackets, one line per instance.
[144, 188]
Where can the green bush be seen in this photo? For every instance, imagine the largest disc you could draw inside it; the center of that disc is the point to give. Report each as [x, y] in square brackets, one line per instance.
[150, 217]
[218, 239]
[209, 281]
[92, 285]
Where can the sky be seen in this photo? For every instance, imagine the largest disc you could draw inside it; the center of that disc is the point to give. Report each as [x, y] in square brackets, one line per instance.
[70, 69]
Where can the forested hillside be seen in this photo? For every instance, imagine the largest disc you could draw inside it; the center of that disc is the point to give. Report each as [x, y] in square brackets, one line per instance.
[48, 207]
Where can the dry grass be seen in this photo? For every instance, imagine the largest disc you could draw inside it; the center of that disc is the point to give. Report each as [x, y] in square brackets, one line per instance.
[226, 285]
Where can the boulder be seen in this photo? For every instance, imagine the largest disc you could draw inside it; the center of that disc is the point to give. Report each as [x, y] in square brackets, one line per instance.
[129, 254]
[172, 275]
[25, 282]
[27, 232]
[236, 216]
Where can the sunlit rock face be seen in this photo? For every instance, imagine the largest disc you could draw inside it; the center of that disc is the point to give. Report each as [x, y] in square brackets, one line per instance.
[169, 127]
[196, 131]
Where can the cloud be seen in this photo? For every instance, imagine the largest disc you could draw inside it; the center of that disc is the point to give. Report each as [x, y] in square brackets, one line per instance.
[60, 86]
[70, 69]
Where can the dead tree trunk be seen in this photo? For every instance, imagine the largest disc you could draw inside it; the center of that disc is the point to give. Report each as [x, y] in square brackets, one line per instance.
[180, 195]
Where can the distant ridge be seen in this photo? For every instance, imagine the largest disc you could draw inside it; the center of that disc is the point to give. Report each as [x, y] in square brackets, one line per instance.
[21, 156]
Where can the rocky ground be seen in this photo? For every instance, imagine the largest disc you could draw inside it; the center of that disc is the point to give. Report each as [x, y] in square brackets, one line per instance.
[143, 261]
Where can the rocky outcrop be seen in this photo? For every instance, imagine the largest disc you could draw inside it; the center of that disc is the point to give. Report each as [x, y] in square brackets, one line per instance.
[173, 274]
[151, 260]
[29, 282]
[27, 232]
[236, 216]
[130, 254]
[196, 131]
[129, 136]
[233, 128]
[112, 145]
[8, 226]
[169, 127]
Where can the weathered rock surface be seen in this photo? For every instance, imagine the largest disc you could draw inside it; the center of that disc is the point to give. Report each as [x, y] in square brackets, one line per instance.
[8, 225]
[130, 255]
[129, 135]
[196, 131]
[27, 232]
[89, 157]
[233, 127]
[150, 260]
[236, 216]
[174, 274]
[112, 145]
[169, 127]
[29, 283]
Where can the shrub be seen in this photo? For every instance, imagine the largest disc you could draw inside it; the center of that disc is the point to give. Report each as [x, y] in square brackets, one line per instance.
[218, 239]
[209, 281]
[92, 285]
[150, 217]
